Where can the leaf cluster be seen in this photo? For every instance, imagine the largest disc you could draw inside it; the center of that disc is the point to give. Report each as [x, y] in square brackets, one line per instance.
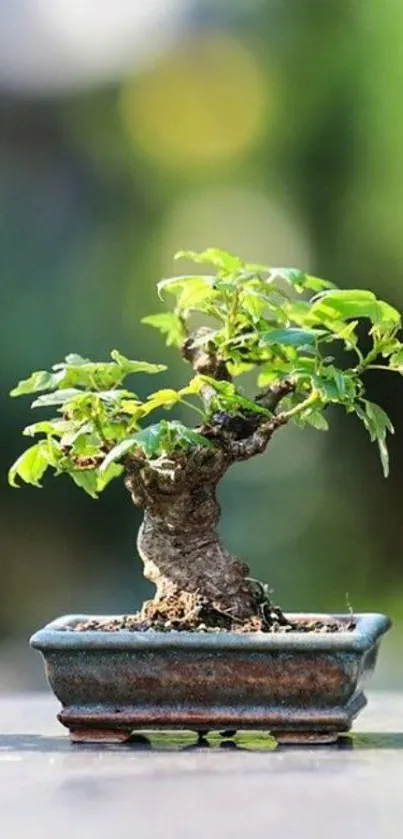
[283, 324]
[98, 421]
[288, 325]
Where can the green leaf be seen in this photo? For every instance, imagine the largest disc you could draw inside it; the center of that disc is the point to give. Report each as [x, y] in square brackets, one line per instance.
[300, 280]
[378, 419]
[226, 283]
[86, 479]
[292, 336]
[75, 360]
[237, 368]
[83, 444]
[298, 311]
[41, 380]
[350, 303]
[149, 439]
[292, 275]
[189, 436]
[317, 420]
[396, 360]
[170, 325]
[388, 314]
[132, 407]
[162, 398]
[342, 383]
[56, 427]
[253, 303]
[117, 452]
[116, 430]
[305, 366]
[222, 260]
[377, 423]
[112, 396]
[195, 293]
[194, 387]
[176, 285]
[267, 376]
[384, 455]
[327, 388]
[317, 283]
[335, 384]
[191, 292]
[129, 366]
[88, 374]
[347, 333]
[32, 464]
[76, 371]
[59, 397]
[219, 386]
[248, 404]
[74, 431]
[83, 402]
[155, 440]
[229, 398]
[114, 470]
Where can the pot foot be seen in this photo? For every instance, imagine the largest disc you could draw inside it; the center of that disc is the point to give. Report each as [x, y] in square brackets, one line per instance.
[99, 735]
[305, 738]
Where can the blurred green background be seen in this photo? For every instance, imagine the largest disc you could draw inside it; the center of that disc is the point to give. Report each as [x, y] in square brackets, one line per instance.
[129, 130]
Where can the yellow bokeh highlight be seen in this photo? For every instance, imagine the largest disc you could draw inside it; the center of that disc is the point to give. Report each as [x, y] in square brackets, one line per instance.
[204, 102]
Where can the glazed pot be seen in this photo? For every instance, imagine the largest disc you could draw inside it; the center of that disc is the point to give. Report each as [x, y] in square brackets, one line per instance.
[301, 687]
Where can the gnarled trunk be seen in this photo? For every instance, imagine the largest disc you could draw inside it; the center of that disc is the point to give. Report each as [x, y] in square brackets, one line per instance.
[178, 541]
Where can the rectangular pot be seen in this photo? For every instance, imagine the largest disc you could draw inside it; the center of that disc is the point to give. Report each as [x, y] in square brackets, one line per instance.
[304, 687]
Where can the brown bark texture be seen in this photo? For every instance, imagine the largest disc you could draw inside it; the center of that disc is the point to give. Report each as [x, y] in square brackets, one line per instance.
[178, 541]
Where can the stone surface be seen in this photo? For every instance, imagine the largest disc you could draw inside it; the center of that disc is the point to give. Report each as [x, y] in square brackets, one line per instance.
[169, 788]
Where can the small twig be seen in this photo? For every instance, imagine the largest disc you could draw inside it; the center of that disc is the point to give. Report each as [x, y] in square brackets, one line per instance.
[271, 397]
[227, 614]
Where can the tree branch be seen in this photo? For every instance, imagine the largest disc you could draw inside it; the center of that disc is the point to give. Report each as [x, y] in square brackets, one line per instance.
[271, 397]
[205, 360]
[243, 435]
[255, 443]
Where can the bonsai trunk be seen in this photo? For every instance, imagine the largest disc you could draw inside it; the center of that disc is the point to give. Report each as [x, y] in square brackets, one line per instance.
[178, 541]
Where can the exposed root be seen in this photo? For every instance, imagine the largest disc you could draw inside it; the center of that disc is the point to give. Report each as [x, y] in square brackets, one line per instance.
[192, 613]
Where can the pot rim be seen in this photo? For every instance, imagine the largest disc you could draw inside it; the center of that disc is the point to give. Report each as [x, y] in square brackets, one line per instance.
[370, 626]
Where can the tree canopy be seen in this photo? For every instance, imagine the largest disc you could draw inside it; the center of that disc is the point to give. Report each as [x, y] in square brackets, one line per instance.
[298, 334]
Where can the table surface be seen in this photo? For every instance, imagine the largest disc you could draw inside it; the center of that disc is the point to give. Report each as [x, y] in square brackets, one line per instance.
[167, 787]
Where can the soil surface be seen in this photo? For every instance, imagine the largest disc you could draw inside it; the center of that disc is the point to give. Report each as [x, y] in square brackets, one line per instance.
[191, 613]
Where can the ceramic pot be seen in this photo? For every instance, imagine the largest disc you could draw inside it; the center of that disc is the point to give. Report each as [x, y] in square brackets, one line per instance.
[302, 687]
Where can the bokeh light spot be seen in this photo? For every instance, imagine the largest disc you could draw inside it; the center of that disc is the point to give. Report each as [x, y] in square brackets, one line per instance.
[203, 103]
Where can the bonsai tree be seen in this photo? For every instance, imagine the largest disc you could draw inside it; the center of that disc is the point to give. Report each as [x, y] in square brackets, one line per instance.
[295, 333]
